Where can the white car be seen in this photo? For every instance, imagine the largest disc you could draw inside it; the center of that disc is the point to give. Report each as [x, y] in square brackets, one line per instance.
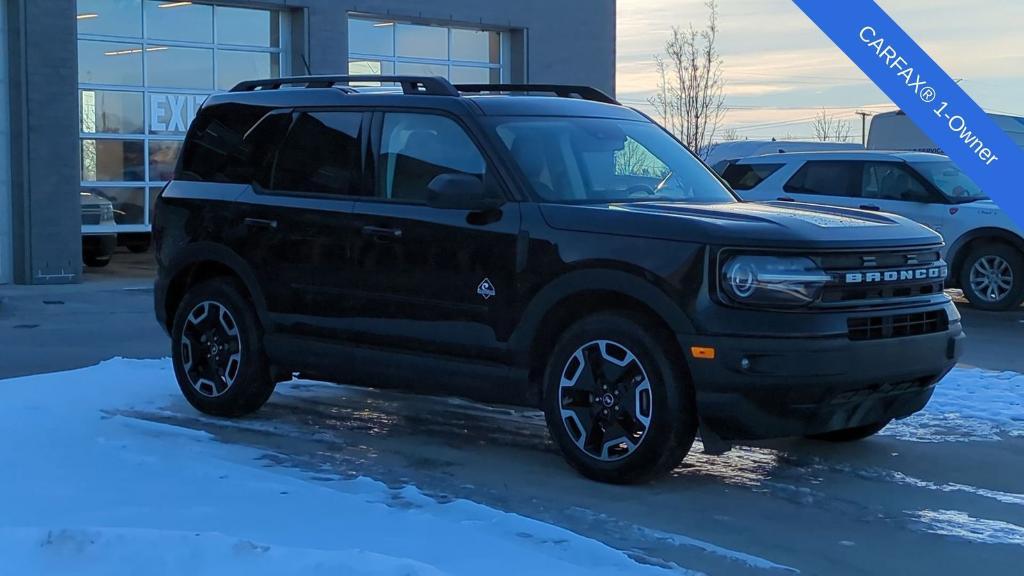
[984, 248]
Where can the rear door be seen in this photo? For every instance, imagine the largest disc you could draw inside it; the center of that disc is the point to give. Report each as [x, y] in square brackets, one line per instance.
[831, 182]
[430, 278]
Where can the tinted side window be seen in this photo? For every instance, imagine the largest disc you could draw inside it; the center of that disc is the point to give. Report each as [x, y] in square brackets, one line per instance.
[748, 176]
[826, 178]
[891, 181]
[322, 154]
[214, 150]
[416, 148]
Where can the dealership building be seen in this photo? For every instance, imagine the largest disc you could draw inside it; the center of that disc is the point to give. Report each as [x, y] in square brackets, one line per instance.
[96, 95]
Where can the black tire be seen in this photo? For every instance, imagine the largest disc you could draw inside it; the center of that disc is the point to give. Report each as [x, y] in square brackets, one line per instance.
[96, 261]
[992, 255]
[252, 383]
[659, 391]
[851, 434]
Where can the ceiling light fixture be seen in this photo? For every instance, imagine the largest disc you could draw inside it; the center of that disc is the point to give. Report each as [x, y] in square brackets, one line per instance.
[134, 51]
[87, 16]
[383, 24]
[173, 4]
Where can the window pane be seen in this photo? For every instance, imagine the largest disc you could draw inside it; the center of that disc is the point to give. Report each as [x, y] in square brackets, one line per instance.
[233, 67]
[421, 41]
[889, 181]
[172, 113]
[826, 178]
[371, 67]
[172, 67]
[468, 75]
[371, 37]
[111, 112]
[248, 27]
[129, 204]
[419, 147]
[219, 153]
[113, 160]
[179, 21]
[321, 154]
[110, 17]
[412, 69]
[163, 155]
[748, 176]
[476, 46]
[109, 63]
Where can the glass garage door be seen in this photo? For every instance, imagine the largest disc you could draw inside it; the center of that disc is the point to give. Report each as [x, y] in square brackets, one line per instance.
[463, 55]
[144, 68]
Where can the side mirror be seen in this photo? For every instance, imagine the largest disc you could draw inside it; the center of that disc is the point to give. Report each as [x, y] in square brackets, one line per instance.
[460, 192]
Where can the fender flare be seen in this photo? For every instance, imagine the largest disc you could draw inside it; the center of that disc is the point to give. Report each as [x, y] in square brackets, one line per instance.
[956, 252]
[604, 280]
[203, 252]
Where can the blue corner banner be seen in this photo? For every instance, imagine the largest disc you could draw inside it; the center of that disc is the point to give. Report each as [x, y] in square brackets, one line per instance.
[936, 104]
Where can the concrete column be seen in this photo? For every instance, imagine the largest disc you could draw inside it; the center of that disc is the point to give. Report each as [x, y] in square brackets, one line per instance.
[45, 152]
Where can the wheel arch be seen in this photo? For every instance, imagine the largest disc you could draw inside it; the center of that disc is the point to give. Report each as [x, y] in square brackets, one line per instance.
[583, 292]
[202, 262]
[962, 246]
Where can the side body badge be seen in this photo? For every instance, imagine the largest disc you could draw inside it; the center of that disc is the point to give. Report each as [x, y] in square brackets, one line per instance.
[486, 289]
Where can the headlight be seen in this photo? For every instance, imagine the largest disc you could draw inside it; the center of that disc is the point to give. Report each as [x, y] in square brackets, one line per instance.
[780, 281]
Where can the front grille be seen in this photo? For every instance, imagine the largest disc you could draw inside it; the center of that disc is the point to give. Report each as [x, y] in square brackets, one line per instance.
[840, 266]
[897, 326]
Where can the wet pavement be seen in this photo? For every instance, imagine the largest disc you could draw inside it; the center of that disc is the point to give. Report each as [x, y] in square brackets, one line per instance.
[884, 505]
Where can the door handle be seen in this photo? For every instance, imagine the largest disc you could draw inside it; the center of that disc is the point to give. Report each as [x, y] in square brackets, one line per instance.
[870, 207]
[382, 233]
[260, 223]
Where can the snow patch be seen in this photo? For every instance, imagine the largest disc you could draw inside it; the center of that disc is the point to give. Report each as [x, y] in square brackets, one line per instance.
[95, 492]
[969, 404]
[966, 527]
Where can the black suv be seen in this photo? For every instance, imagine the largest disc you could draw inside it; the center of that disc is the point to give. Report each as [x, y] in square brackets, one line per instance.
[559, 251]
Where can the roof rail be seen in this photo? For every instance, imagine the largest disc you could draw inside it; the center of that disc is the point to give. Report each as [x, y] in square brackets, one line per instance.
[560, 90]
[429, 85]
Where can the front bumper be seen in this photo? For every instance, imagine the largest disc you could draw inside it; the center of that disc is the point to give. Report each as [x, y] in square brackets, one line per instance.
[809, 385]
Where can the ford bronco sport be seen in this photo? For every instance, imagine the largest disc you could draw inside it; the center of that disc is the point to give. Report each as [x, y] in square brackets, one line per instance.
[557, 251]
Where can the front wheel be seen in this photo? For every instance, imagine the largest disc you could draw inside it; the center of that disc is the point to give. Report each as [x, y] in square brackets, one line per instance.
[992, 277]
[852, 434]
[617, 399]
[217, 350]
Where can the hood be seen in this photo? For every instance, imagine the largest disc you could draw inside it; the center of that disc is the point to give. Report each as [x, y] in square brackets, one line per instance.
[769, 224]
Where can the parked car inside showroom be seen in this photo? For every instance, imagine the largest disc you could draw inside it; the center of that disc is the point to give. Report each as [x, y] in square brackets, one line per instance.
[984, 248]
[98, 238]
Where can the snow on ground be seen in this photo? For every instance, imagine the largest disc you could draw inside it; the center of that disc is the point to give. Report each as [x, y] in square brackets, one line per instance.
[969, 404]
[86, 492]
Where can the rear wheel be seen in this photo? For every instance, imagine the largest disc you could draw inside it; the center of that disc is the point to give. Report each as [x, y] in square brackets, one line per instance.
[617, 401]
[217, 350]
[992, 277]
[852, 434]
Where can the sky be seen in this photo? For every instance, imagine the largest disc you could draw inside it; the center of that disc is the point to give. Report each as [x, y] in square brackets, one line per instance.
[780, 70]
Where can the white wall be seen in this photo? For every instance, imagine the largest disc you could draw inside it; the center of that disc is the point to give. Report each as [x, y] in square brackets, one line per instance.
[6, 251]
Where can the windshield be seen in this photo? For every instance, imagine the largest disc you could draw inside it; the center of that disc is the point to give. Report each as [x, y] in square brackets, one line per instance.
[953, 183]
[581, 160]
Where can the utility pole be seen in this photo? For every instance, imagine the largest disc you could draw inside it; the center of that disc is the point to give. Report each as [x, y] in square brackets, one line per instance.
[864, 126]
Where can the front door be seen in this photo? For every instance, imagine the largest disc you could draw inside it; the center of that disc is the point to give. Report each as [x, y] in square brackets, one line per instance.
[431, 279]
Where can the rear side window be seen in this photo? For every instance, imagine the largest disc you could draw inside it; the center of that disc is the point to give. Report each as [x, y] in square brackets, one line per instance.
[891, 181]
[833, 178]
[215, 150]
[748, 176]
[322, 154]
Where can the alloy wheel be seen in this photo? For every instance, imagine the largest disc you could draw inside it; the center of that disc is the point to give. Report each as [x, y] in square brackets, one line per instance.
[991, 278]
[211, 348]
[605, 400]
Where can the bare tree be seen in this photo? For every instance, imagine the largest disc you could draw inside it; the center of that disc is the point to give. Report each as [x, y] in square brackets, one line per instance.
[731, 135]
[690, 98]
[828, 127]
